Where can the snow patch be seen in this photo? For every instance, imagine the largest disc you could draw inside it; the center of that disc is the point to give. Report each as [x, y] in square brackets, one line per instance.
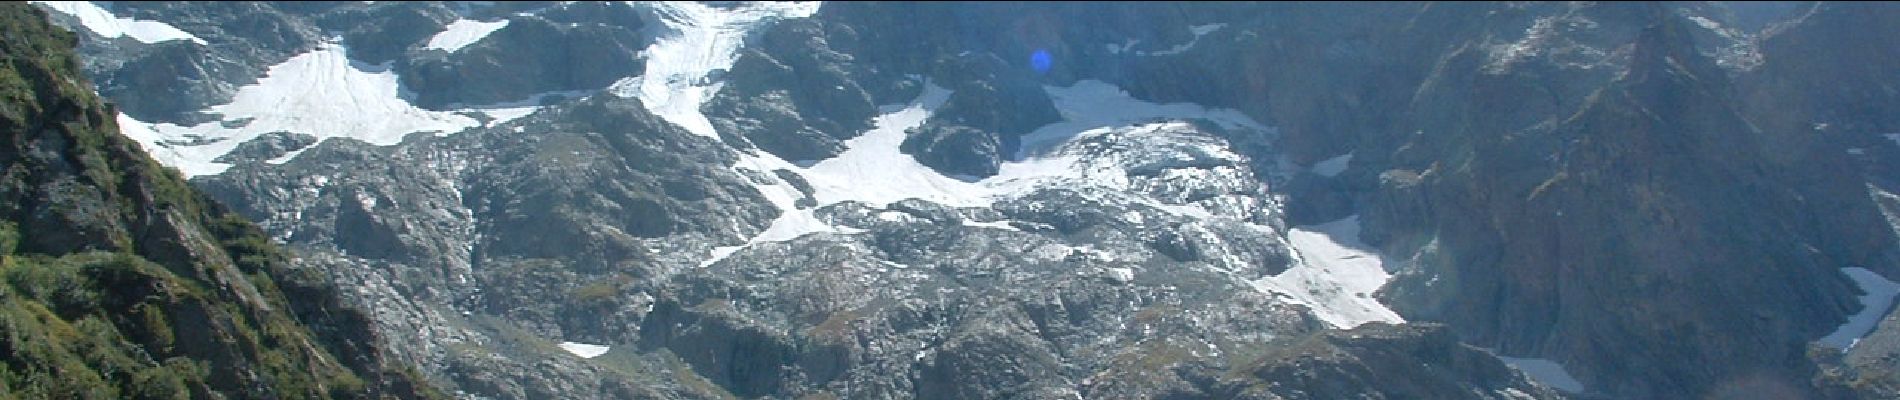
[463, 32]
[872, 170]
[1198, 30]
[1088, 108]
[584, 350]
[322, 93]
[99, 20]
[1004, 225]
[1332, 166]
[1547, 372]
[1874, 305]
[1335, 275]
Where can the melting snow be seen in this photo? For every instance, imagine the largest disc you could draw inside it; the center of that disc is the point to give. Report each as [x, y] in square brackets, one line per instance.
[321, 93]
[101, 21]
[1874, 305]
[706, 39]
[1332, 166]
[1088, 108]
[872, 170]
[463, 32]
[1547, 372]
[1336, 275]
[584, 350]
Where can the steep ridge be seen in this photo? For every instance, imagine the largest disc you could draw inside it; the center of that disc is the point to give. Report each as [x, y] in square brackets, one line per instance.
[1618, 211]
[592, 247]
[122, 282]
[1211, 191]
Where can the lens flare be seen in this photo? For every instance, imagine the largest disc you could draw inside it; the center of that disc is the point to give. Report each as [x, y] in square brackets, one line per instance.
[1041, 61]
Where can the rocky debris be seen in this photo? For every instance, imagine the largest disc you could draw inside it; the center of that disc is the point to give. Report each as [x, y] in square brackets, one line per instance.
[956, 150]
[1425, 359]
[267, 147]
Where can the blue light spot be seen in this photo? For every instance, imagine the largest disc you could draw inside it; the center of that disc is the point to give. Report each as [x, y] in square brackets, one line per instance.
[1040, 61]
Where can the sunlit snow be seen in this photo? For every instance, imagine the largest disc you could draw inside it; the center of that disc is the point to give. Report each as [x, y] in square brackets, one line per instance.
[1874, 305]
[463, 32]
[584, 350]
[101, 21]
[322, 93]
[705, 39]
[871, 169]
[1336, 275]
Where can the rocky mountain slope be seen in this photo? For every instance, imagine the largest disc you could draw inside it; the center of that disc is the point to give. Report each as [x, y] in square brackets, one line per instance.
[122, 282]
[1052, 200]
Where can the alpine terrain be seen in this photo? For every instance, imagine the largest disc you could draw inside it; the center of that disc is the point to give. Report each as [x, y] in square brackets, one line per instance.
[941, 200]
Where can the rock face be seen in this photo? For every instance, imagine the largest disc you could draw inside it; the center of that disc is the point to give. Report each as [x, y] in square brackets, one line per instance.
[981, 125]
[122, 282]
[533, 54]
[1424, 357]
[172, 80]
[1029, 200]
[798, 94]
[1609, 208]
[268, 146]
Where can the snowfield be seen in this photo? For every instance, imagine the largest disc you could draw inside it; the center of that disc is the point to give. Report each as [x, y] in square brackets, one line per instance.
[99, 20]
[1874, 304]
[322, 93]
[584, 350]
[1335, 276]
[463, 32]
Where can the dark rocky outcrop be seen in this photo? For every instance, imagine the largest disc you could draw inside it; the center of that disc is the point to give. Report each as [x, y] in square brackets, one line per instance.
[267, 147]
[1543, 227]
[1413, 360]
[532, 55]
[991, 106]
[797, 91]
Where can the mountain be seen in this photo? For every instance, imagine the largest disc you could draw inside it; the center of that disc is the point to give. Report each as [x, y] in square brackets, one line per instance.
[1055, 200]
[120, 281]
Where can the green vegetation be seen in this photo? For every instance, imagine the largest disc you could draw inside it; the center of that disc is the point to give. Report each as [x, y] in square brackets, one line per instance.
[117, 280]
